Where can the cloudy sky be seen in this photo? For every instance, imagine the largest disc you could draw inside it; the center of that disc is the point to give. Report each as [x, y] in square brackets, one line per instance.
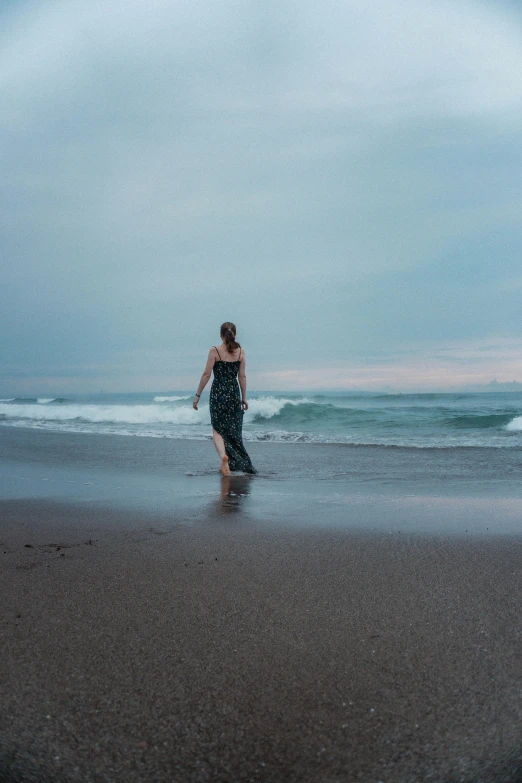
[341, 179]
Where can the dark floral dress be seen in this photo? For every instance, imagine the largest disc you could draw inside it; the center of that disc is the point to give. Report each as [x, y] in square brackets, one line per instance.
[226, 414]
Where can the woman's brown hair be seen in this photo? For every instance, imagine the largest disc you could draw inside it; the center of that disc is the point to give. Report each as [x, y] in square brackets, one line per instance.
[228, 334]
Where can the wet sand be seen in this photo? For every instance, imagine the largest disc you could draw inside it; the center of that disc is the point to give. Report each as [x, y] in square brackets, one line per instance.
[139, 647]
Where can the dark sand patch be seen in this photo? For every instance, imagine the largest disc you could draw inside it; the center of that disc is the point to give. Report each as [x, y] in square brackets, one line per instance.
[226, 652]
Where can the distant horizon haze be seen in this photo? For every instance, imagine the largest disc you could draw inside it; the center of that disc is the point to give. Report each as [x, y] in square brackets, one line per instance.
[492, 387]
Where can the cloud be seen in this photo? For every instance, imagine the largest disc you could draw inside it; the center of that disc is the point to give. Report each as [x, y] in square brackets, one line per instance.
[441, 367]
[336, 177]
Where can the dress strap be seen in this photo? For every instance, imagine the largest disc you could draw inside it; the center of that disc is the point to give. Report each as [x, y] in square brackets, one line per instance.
[220, 359]
[239, 354]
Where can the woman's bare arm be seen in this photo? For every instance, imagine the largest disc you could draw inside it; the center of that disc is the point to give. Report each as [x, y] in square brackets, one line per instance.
[207, 372]
[243, 382]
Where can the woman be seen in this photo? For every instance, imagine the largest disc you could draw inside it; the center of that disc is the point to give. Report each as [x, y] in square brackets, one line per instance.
[226, 409]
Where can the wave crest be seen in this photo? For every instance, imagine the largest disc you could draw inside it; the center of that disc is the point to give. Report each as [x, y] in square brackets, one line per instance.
[174, 398]
[268, 407]
[515, 425]
[481, 421]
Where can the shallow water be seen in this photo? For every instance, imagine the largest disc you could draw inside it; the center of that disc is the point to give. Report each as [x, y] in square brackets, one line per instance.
[465, 490]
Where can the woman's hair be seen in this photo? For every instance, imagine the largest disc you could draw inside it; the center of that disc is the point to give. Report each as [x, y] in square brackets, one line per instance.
[228, 334]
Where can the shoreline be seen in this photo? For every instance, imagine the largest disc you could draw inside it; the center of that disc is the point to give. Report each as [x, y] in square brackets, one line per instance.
[283, 442]
[170, 650]
[312, 486]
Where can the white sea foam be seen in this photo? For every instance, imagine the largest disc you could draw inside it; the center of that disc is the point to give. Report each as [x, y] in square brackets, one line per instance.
[262, 407]
[117, 414]
[515, 425]
[283, 436]
[171, 399]
[8, 399]
[180, 421]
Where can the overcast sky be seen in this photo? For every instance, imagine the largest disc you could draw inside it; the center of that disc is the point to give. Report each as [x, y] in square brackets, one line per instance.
[341, 179]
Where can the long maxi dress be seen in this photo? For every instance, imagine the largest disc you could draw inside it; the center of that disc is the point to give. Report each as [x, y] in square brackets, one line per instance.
[226, 413]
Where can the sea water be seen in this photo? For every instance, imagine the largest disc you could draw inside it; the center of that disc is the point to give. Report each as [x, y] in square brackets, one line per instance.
[424, 421]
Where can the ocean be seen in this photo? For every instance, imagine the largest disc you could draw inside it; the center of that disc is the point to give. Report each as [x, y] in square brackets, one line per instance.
[418, 462]
[423, 421]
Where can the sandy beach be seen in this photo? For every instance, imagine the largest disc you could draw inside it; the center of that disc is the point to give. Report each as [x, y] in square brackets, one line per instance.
[137, 647]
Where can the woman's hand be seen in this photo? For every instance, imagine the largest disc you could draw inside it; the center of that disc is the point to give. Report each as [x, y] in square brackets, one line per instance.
[244, 405]
[195, 403]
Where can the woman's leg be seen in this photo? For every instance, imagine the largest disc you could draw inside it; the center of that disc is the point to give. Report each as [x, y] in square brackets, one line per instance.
[219, 443]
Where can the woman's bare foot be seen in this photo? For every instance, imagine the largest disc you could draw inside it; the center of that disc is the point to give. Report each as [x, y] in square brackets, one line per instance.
[225, 470]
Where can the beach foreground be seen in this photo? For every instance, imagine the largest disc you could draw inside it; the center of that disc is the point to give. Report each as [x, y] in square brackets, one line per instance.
[139, 648]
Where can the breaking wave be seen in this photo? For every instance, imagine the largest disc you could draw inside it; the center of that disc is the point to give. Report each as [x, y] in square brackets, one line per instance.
[268, 407]
[515, 425]
[286, 418]
[116, 414]
[259, 408]
[39, 400]
[303, 412]
[174, 398]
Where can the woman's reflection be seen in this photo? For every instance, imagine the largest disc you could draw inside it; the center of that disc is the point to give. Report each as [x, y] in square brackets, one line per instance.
[234, 490]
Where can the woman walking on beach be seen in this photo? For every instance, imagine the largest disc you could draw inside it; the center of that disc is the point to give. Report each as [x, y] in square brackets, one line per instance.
[226, 407]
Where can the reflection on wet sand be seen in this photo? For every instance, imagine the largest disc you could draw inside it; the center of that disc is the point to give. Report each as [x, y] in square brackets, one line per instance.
[233, 491]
